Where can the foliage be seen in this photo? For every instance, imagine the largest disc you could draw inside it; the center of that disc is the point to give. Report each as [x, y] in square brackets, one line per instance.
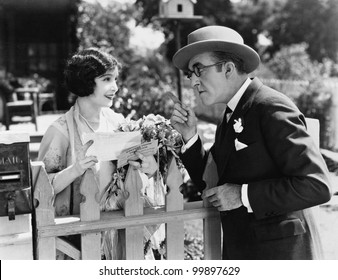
[169, 142]
[143, 86]
[158, 128]
[193, 247]
[106, 27]
[143, 80]
[35, 80]
[284, 22]
[248, 19]
[294, 63]
[309, 21]
[312, 97]
[241, 17]
[264, 72]
[10, 83]
[315, 101]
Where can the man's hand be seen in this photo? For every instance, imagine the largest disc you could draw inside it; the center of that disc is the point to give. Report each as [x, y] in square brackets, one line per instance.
[184, 121]
[224, 197]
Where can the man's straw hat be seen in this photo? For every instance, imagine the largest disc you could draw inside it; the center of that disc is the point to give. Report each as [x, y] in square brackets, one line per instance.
[216, 38]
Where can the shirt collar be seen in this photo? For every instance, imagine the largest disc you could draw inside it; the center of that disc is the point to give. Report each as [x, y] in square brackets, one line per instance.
[232, 104]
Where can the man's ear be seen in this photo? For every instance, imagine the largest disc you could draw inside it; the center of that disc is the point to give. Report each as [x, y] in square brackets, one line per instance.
[229, 68]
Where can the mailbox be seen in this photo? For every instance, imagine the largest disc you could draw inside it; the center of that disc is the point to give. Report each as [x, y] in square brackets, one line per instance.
[15, 182]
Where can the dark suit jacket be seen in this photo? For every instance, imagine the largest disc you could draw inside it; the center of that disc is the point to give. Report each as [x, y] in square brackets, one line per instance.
[285, 173]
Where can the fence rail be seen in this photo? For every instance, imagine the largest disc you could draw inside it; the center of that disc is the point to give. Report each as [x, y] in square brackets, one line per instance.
[91, 222]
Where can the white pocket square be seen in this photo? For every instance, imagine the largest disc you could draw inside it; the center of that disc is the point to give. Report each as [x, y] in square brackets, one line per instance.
[239, 145]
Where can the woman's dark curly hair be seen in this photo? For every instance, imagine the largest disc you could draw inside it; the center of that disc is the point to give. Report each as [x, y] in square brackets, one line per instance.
[83, 67]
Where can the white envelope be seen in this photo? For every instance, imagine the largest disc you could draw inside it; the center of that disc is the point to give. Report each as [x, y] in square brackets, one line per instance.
[109, 145]
[239, 145]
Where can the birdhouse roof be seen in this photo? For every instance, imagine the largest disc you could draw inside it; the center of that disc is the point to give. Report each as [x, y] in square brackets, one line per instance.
[193, 1]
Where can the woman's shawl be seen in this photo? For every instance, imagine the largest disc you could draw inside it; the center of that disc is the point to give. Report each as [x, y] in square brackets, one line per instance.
[57, 149]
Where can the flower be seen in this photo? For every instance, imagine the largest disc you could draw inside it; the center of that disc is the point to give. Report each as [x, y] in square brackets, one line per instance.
[156, 127]
[238, 127]
[129, 126]
[169, 142]
[152, 120]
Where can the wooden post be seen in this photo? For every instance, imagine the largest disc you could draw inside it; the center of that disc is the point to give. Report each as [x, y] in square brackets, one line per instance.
[313, 128]
[178, 46]
[90, 211]
[174, 202]
[133, 207]
[333, 85]
[211, 226]
[44, 211]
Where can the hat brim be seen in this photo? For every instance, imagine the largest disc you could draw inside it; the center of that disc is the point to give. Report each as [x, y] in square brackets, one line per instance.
[249, 56]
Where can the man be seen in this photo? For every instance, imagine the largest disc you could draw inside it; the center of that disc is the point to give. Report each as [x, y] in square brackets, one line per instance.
[269, 169]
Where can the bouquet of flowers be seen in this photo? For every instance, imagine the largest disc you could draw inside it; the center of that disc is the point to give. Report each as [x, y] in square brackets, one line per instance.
[169, 143]
[158, 128]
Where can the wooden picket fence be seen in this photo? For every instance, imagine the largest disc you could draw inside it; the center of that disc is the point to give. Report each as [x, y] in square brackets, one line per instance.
[91, 222]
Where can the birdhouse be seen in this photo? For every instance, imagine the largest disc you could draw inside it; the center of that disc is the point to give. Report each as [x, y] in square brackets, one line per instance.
[176, 8]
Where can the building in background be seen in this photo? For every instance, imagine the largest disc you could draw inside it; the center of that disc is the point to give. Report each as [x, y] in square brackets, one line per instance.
[36, 37]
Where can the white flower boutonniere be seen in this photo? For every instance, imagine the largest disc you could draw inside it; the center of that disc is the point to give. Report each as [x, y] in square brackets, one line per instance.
[238, 127]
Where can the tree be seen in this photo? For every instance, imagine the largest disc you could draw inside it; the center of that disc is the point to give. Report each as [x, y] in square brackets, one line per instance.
[285, 22]
[106, 27]
[294, 63]
[309, 21]
[246, 18]
[143, 80]
[315, 101]
[312, 96]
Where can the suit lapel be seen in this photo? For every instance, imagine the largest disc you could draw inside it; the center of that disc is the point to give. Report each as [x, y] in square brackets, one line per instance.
[225, 137]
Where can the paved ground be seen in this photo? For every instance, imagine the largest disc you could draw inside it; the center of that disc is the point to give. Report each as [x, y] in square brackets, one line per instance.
[43, 122]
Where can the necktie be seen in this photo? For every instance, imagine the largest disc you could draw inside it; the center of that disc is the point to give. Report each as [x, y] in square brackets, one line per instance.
[227, 113]
[224, 124]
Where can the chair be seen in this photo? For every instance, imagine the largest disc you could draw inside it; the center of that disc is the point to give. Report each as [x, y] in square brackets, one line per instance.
[46, 97]
[23, 107]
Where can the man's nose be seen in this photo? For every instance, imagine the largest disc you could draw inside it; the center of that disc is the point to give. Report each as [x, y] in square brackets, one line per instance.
[194, 81]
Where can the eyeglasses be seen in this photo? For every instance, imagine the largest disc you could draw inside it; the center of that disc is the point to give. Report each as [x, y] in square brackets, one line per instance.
[197, 70]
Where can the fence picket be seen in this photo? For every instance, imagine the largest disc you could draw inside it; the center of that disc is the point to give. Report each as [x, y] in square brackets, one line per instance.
[93, 222]
[211, 227]
[90, 211]
[44, 210]
[174, 202]
[133, 207]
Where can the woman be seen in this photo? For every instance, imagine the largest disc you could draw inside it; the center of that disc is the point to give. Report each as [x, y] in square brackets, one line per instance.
[91, 75]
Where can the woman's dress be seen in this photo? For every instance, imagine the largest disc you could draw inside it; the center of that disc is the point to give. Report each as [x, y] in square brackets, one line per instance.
[62, 144]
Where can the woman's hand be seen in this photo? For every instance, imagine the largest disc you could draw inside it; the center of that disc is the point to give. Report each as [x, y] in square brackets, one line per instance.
[147, 164]
[81, 165]
[67, 176]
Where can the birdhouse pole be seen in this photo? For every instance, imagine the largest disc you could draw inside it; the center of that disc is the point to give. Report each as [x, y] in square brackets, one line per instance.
[178, 46]
[178, 11]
